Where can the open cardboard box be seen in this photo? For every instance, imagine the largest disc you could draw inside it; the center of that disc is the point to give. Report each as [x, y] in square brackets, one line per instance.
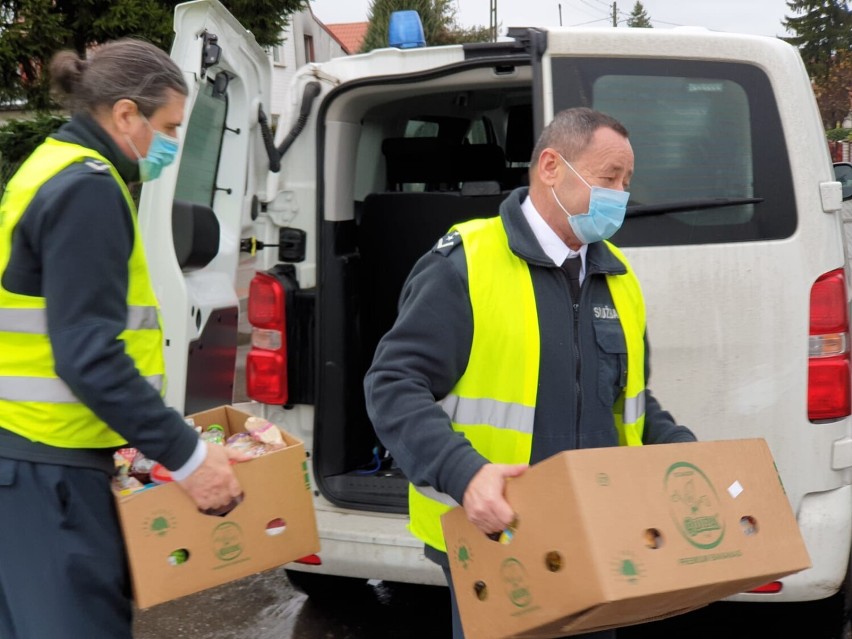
[609, 537]
[275, 523]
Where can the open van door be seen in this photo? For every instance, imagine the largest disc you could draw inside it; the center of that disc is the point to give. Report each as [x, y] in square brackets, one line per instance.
[192, 217]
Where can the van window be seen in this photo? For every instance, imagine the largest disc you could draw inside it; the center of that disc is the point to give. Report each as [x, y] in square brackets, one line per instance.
[421, 129]
[199, 160]
[701, 132]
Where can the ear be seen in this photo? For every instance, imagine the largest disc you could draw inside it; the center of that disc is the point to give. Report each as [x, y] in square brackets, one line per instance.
[124, 115]
[548, 166]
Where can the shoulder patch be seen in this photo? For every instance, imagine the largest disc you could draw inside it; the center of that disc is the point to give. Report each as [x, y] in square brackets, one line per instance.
[447, 243]
[97, 165]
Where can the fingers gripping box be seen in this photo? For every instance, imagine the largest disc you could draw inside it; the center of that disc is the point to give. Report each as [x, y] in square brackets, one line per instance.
[175, 550]
[610, 537]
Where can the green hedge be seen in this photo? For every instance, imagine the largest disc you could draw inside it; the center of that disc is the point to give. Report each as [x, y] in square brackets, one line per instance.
[18, 138]
[838, 135]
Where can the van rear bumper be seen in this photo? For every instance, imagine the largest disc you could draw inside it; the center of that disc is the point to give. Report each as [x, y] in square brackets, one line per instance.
[825, 520]
[370, 546]
[379, 546]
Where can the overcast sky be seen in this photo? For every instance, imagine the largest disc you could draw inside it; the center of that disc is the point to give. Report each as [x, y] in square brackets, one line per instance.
[762, 17]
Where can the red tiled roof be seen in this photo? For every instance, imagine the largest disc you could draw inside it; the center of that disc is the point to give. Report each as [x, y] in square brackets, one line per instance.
[349, 34]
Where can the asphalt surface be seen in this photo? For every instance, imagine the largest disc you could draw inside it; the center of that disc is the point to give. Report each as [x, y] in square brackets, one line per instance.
[265, 606]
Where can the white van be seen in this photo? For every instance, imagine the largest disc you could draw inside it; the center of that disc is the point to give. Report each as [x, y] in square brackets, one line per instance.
[734, 230]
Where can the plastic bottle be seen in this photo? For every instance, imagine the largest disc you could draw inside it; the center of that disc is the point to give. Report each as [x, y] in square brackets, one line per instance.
[214, 434]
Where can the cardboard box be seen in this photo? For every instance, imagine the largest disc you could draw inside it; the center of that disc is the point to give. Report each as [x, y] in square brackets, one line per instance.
[610, 537]
[274, 524]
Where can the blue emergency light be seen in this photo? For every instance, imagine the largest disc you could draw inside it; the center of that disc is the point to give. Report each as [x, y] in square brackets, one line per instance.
[405, 31]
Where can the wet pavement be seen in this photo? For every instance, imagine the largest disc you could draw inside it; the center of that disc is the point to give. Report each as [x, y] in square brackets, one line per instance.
[265, 606]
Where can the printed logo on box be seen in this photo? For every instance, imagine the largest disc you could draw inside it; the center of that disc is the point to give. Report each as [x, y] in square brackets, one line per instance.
[515, 582]
[694, 505]
[463, 553]
[227, 541]
[159, 523]
[628, 568]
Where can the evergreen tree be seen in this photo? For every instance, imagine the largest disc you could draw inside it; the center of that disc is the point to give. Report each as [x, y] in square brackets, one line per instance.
[31, 31]
[638, 17]
[437, 16]
[822, 28]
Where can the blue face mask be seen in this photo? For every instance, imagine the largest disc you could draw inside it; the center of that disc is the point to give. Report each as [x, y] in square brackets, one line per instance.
[606, 212]
[161, 153]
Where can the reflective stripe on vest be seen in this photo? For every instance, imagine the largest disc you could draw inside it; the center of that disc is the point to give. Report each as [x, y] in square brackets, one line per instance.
[629, 303]
[34, 320]
[493, 404]
[48, 389]
[34, 402]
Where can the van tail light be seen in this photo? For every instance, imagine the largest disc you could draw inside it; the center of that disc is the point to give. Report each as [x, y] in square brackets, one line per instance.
[310, 560]
[266, 363]
[772, 588]
[829, 381]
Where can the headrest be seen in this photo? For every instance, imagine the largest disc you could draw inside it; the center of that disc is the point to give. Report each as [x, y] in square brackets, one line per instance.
[439, 164]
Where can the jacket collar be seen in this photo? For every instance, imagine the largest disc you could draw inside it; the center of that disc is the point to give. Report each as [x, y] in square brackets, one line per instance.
[82, 129]
[523, 243]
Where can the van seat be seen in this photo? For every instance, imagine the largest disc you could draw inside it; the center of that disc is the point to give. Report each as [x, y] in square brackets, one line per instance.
[396, 230]
[519, 146]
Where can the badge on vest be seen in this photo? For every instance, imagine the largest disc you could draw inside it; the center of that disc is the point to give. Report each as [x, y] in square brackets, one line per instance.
[604, 312]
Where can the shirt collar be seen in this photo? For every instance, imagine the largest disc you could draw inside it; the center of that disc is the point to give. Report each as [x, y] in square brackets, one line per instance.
[550, 242]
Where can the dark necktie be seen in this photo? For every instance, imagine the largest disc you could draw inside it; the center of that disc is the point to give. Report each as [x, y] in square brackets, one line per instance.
[571, 266]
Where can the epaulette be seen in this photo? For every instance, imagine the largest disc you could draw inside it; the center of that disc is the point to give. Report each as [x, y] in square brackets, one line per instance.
[97, 165]
[447, 243]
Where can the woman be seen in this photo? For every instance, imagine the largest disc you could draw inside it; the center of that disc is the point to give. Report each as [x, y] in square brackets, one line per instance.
[82, 365]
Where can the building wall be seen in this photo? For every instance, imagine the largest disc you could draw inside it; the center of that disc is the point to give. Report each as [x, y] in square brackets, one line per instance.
[294, 53]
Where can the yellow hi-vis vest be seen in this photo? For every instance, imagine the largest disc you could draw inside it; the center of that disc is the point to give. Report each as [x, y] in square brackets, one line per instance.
[493, 404]
[34, 402]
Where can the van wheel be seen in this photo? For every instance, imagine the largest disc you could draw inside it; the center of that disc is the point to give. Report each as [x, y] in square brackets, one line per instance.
[324, 587]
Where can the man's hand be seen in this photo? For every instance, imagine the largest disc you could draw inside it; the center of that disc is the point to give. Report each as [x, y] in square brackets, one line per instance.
[214, 486]
[484, 500]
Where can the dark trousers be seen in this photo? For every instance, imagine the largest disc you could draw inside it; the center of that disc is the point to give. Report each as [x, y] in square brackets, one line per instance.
[63, 571]
[459, 634]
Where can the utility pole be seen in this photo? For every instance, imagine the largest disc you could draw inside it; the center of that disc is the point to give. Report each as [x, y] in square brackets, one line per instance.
[614, 14]
[493, 23]
[560, 14]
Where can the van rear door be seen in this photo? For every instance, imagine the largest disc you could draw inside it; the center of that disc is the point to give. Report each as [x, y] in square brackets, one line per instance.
[730, 226]
[192, 217]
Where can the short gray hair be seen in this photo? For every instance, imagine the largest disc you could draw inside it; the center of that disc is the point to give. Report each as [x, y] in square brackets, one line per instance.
[571, 130]
[126, 68]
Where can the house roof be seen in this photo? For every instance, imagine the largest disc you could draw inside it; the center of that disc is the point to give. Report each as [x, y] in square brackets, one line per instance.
[350, 35]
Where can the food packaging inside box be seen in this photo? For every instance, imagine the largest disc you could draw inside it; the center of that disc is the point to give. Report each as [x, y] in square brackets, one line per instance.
[609, 537]
[175, 550]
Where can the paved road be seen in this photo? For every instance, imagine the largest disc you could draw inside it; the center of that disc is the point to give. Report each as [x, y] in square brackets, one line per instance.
[267, 607]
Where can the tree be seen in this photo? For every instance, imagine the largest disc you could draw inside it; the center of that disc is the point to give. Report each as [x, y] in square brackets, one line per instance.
[437, 16]
[832, 92]
[823, 28]
[31, 31]
[638, 17]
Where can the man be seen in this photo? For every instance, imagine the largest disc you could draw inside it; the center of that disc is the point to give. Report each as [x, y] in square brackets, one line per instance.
[519, 337]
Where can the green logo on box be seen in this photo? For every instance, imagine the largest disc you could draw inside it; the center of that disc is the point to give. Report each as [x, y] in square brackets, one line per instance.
[694, 505]
[159, 523]
[628, 568]
[515, 582]
[227, 541]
